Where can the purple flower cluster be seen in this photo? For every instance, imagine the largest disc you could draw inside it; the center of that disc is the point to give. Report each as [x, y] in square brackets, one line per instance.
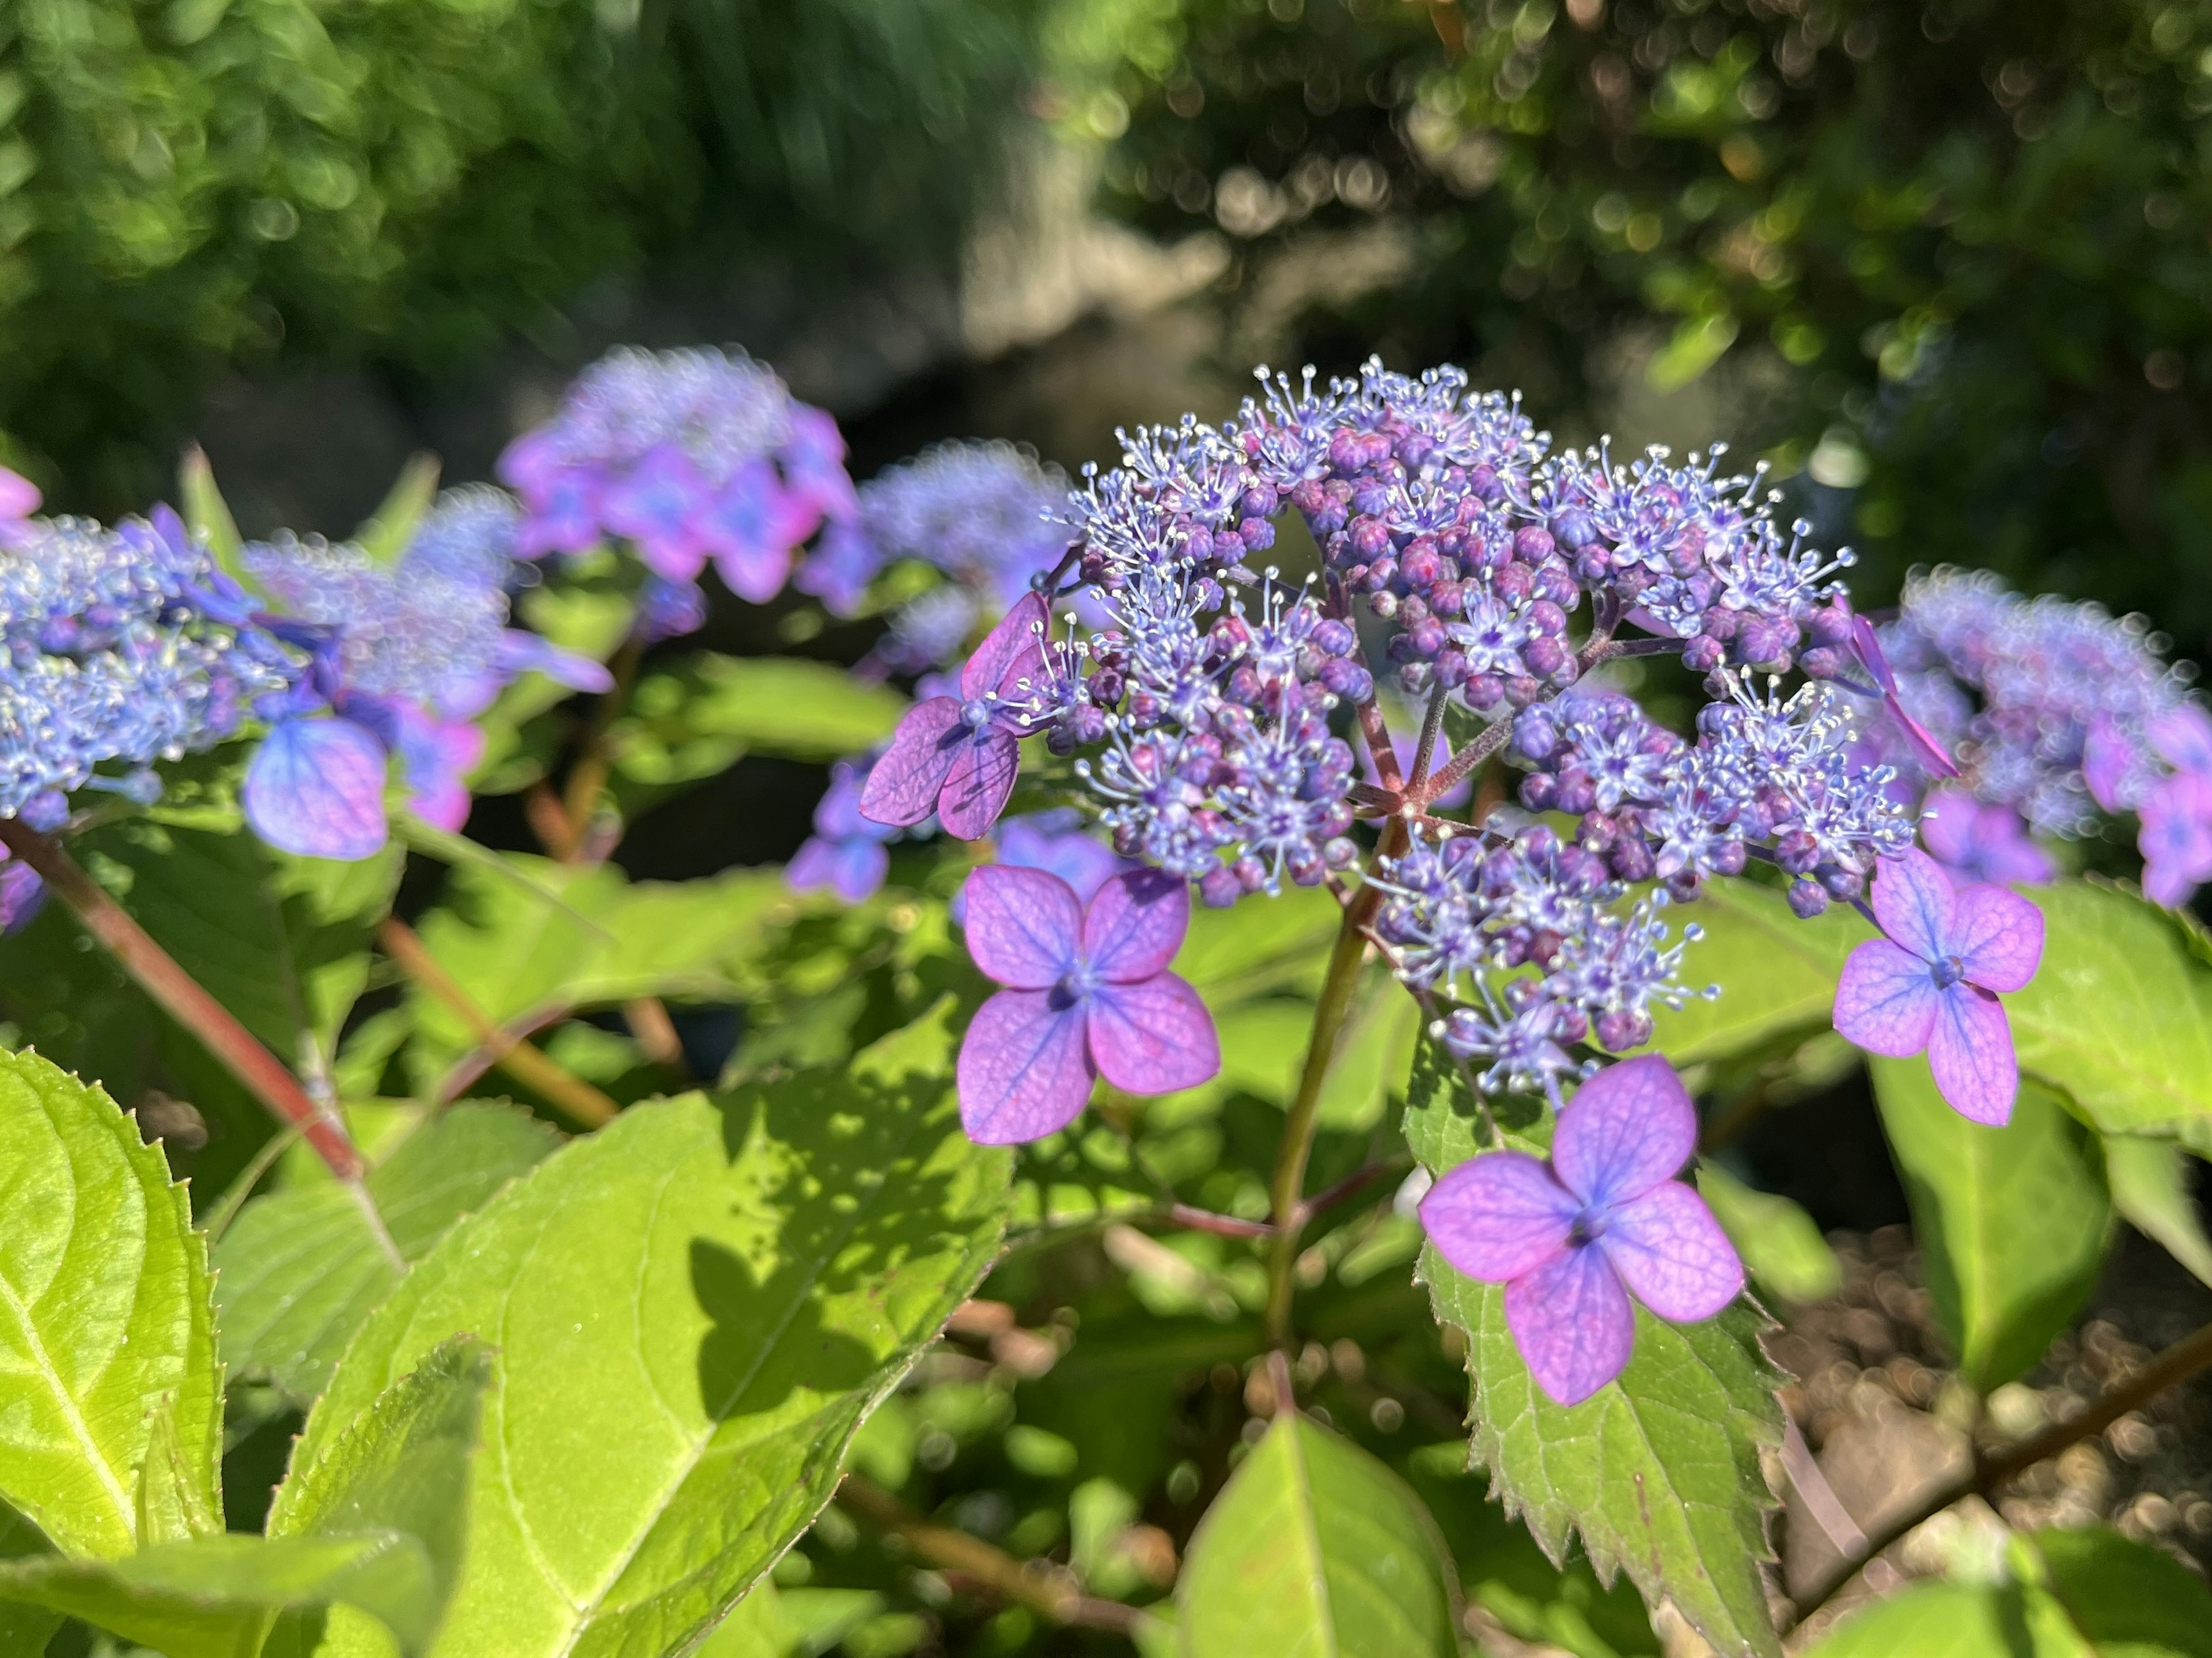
[2058, 712]
[126, 647]
[982, 513]
[404, 656]
[1536, 930]
[690, 455]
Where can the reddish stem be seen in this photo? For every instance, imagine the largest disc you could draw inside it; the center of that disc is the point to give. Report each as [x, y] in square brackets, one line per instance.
[1447, 777]
[182, 997]
[1377, 733]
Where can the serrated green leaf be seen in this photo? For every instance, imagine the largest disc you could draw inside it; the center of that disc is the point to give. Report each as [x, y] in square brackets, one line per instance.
[1316, 1548]
[299, 1269]
[2118, 1017]
[699, 718]
[2149, 1182]
[2012, 1222]
[693, 1310]
[1443, 1125]
[104, 1310]
[1778, 1242]
[172, 1498]
[1658, 1473]
[389, 530]
[1776, 974]
[515, 955]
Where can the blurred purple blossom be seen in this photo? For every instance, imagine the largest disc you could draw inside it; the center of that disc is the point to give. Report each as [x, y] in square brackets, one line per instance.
[846, 852]
[1571, 1237]
[1978, 842]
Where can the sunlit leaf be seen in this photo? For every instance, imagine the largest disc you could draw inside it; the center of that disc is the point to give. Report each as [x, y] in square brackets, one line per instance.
[2149, 1181]
[1780, 1245]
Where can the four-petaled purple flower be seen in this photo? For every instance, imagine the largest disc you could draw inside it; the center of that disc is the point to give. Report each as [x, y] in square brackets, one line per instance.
[958, 755]
[1933, 982]
[1571, 1238]
[1865, 645]
[1982, 842]
[1087, 993]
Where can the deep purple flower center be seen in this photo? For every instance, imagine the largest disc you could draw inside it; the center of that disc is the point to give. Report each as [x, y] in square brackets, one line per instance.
[1588, 1227]
[1947, 971]
[975, 713]
[1075, 986]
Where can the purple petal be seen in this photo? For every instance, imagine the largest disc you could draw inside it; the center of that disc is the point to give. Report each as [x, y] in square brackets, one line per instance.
[526, 652]
[1154, 1038]
[1136, 925]
[1499, 1216]
[1912, 899]
[1024, 1071]
[2176, 837]
[22, 895]
[2183, 737]
[1672, 1253]
[437, 757]
[1007, 649]
[1930, 754]
[2107, 757]
[18, 496]
[902, 786]
[978, 784]
[1998, 937]
[316, 787]
[1571, 1320]
[1024, 926]
[1078, 857]
[751, 527]
[1626, 1129]
[859, 868]
[1950, 828]
[1866, 644]
[1972, 1056]
[653, 505]
[1886, 1000]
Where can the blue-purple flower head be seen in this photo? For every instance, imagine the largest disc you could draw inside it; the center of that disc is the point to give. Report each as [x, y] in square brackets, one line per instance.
[125, 648]
[984, 514]
[689, 456]
[405, 655]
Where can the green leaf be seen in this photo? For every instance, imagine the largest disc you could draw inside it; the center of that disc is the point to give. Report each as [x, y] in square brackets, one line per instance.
[2131, 1600]
[2119, 1016]
[1956, 1620]
[1778, 1240]
[387, 534]
[517, 956]
[2012, 1222]
[1443, 1126]
[299, 1269]
[1658, 1471]
[103, 1312]
[207, 515]
[1315, 1547]
[693, 1309]
[172, 1504]
[1776, 974]
[701, 717]
[757, 1628]
[2149, 1182]
[376, 1521]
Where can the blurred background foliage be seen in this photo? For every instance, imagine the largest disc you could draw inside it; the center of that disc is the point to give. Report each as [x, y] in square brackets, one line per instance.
[1945, 263]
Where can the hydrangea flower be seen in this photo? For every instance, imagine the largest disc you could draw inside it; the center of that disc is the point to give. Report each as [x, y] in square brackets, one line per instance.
[957, 756]
[1572, 1238]
[22, 893]
[1933, 982]
[1981, 842]
[406, 654]
[19, 498]
[1056, 841]
[690, 456]
[1087, 993]
[846, 853]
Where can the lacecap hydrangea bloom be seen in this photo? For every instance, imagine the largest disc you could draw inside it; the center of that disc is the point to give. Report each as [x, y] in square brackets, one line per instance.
[690, 457]
[1210, 708]
[404, 655]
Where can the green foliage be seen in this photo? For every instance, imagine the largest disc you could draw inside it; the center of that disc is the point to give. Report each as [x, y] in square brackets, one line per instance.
[1316, 1548]
[374, 1526]
[2149, 1182]
[1965, 305]
[1776, 974]
[693, 1310]
[2088, 1594]
[1781, 1247]
[299, 1268]
[104, 1310]
[2013, 1221]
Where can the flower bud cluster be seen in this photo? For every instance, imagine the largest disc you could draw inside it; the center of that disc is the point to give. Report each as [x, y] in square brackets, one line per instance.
[689, 456]
[1534, 929]
[124, 647]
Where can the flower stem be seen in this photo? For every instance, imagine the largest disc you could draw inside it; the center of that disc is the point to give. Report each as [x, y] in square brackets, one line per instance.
[1287, 1188]
[2191, 1354]
[589, 777]
[1447, 777]
[182, 997]
[527, 1063]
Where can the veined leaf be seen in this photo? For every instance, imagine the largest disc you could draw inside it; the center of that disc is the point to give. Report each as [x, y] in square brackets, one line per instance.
[2149, 1182]
[2119, 1016]
[1315, 1547]
[2012, 1221]
[299, 1269]
[1776, 972]
[171, 1496]
[104, 1312]
[375, 1524]
[1658, 1471]
[693, 1310]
